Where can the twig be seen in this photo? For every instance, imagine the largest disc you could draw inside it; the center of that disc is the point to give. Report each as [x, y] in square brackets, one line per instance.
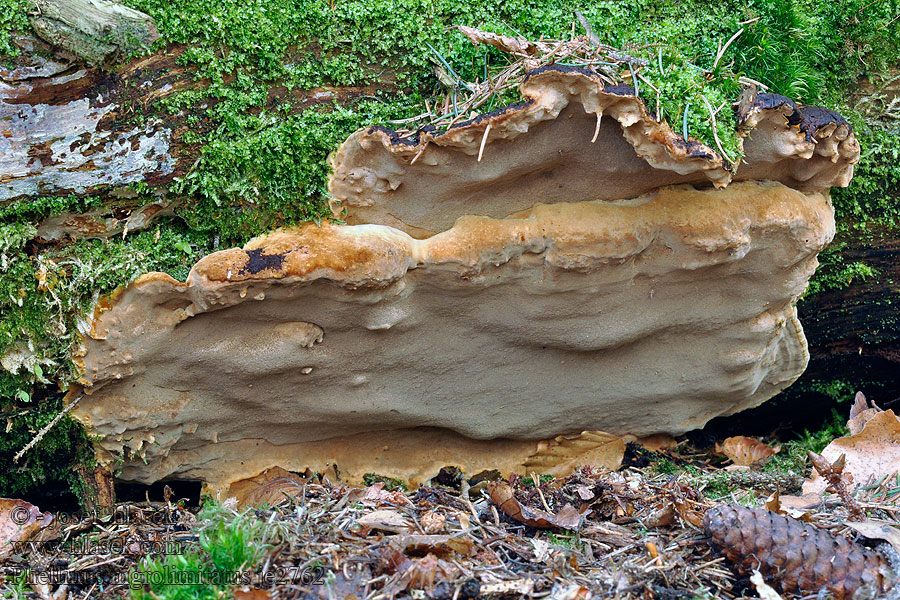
[459, 81]
[725, 47]
[888, 23]
[597, 128]
[634, 80]
[832, 473]
[40, 434]
[747, 81]
[591, 36]
[419, 153]
[537, 486]
[712, 117]
[484, 138]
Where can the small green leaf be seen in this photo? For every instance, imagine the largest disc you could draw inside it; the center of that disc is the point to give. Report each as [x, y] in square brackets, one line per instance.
[22, 396]
[183, 246]
[38, 372]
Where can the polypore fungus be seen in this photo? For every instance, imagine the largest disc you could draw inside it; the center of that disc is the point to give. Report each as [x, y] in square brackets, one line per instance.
[489, 310]
[574, 139]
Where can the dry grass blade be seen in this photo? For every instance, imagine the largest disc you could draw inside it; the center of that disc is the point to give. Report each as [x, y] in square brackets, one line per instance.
[526, 56]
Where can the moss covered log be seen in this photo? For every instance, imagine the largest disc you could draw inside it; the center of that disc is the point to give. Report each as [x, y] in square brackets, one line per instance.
[221, 130]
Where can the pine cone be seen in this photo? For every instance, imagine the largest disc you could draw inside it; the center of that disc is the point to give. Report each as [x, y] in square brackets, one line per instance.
[793, 556]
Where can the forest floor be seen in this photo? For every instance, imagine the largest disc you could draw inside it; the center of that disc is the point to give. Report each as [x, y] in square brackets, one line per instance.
[667, 524]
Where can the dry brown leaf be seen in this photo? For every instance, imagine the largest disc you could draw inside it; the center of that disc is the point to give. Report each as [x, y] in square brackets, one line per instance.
[564, 453]
[386, 520]
[804, 502]
[661, 517]
[871, 454]
[376, 494]
[798, 507]
[861, 413]
[785, 505]
[512, 45]
[503, 496]
[433, 522]
[692, 514]
[19, 522]
[877, 530]
[745, 451]
[440, 545]
[657, 442]
[269, 487]
[584, 492]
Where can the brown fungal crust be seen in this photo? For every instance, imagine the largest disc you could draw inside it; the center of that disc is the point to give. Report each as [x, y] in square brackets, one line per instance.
[308, 342]
[546, 144]
[573, 139]
[805, 147]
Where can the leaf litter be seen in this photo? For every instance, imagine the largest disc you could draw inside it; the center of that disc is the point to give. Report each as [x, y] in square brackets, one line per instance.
[637, 532]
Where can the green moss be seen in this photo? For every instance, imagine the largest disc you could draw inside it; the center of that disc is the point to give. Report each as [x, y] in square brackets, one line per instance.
[793, 455]
[275, 176]
[873, 192]
[835, 274]
[36, 208]
[52, 461]
[43, 297]
[838, 390]
[13, 18]
[263, 164]
[229, 547]
[542, 478]
[391, 484]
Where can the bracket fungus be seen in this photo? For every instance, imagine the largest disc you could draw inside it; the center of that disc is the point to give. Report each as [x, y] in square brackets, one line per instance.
[488, 314]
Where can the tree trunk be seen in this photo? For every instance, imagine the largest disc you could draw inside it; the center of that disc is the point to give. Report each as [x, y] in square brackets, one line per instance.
[70, 129]
[854, 333]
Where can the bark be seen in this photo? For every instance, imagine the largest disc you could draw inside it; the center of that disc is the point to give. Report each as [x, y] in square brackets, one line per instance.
[93, 30]
[68, 128]
[854, 333]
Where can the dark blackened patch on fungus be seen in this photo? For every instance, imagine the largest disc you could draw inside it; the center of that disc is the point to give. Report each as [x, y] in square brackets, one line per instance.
[562, 69]
[817, 117]
[395, 138]
[259, 262]
[619, 89]
[767, 101]
[693, 149]
[808, 119]
[488, 115]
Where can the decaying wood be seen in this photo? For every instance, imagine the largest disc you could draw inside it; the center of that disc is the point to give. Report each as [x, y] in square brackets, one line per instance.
[99, 496]
[854, 331]
[95, 31]
[67, 128]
